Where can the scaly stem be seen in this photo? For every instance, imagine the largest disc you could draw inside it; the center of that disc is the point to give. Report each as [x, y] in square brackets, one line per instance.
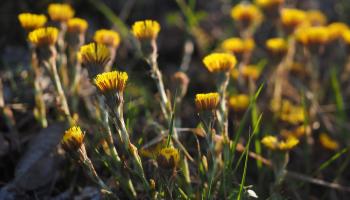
[157, 77]
[39, 101]
[51, 64]
[91, 169]
[222, 84]
[164, 101]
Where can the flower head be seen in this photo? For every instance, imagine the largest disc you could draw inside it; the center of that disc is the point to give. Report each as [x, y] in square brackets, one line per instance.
[31, 21]
[274, 143]
[77, 25]
[239, 102]
[297, 132]
[168, 158]
[328, 142]
[111, 81]
[291, 113]
[219, 62]
[247, 14]
[250, 72]
[43, 36]
[208, 101]
[291, 18]
[94, 54]
[60, 12]
[277, 45]
[316, 18]
[109, 38]
[310, 36]
[265, 4]
[336, 30]
[238, 45]
[72, 138]
[146, 29]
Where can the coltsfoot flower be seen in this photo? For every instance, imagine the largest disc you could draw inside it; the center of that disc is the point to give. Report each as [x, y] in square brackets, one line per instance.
[266, 4]
[43, 36]
[271, 8]
[327, 142]
[297, 132]
[238, 46]
[291, 113]
[31, 21]
[273, 143]
[239, 102]
[114, 81]
[180, 81]
[60, 12]
[77, 25]
[277, 46]
[109, 38]
[72, 139]
[336, 30]
[168, 158]
[44, 40]
[207, 102]
[246, 14]
[146, 29]
[313, 36]
[95, 57]
[250, 72]
[292, 18]
[219, 62]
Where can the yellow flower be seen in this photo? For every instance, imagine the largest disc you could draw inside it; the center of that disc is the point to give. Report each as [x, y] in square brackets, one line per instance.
[346, 37]
[111, 81]
[60, 12]
[269, 3]
[31, 21]
[168, 158]
[43, 36]
[250, 71]
[219, 62]
[146, 30]
[246, 13]
[297, 132]
[239, 102]
[316, 18]
[235, 73]
[77, 25]
[270, 142]
[308, 36]
[277, 45]
[291, 113]
[328, 142]
[336, 30]
[291, 18]
[109, 38]
[208, 101]
[72, 138]
[288, 144]
[94, 54]
[238, 45]
[274, 143]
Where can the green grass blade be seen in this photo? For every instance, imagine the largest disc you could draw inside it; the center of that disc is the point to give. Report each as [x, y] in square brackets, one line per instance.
[332, 159]
[338, 95]
[109, 14]
[241, 126]
[172, 120]
[246, 153]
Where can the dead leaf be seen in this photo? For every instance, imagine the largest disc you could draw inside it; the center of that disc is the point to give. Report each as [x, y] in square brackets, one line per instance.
[35, 168]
